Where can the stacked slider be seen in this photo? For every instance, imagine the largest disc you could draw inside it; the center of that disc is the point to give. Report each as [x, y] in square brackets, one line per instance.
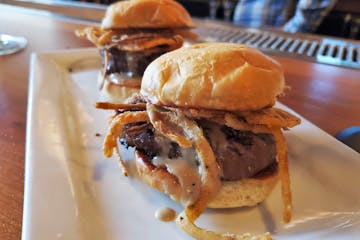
[132, 34]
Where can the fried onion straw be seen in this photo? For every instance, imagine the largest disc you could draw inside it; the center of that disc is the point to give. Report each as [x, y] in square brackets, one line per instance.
[209, 175]
[271, 117]
[96, 35]
[163, 121]
[210, 171]
[116, 127]
[177, 126]
[134, 41]
[120, 106]
[284, 173]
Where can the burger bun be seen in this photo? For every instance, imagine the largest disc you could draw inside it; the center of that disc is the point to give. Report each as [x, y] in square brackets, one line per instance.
[244, 192]
[146, 14]
[214, 76]
[114, 93]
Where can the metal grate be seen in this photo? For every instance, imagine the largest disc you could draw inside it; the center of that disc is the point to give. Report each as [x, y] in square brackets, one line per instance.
[311, 47]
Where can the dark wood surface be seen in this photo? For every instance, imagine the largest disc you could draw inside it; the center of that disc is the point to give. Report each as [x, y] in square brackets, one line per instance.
[328, 96]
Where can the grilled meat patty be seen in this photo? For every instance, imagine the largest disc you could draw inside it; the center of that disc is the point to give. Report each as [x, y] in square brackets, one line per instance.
[129, 64]
[240, 154]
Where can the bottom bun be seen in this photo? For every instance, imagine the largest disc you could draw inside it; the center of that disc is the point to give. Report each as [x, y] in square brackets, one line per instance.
[114, 93]
[244, 192]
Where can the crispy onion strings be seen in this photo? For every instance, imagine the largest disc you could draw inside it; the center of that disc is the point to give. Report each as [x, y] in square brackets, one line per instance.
[142, 43]
[210, 176]
[120, 106]
[179, 127]
[270, 117]
[116, 127]
[284, 173]
[131, 41]
[210, 173]
[165, 123]
[95, 35]
[234, 122]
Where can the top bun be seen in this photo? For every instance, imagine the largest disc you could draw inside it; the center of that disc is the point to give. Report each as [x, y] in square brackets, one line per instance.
[216, 76]
[146, 14]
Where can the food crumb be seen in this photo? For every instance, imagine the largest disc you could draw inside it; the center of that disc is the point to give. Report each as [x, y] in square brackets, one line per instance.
[97, 134]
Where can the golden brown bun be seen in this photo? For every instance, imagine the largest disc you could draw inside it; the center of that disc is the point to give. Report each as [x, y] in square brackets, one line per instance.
[223, 76]
[146, 14]
[245, 192]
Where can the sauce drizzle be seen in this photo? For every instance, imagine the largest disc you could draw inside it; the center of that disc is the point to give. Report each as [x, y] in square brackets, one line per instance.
[165, 214]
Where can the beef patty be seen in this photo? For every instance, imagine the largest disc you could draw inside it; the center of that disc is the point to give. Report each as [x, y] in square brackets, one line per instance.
[129, 64]
[240, 154]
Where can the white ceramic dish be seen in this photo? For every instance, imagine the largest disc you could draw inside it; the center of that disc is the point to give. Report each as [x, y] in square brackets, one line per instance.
[73, 192]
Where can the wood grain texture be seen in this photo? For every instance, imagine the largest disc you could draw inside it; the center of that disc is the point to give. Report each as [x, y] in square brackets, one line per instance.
[328, 96]
[43, 34]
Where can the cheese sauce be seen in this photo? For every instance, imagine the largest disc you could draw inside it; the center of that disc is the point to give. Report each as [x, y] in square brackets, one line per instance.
[185, 168]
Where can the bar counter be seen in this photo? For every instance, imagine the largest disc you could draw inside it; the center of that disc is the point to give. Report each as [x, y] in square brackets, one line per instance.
[328, 96]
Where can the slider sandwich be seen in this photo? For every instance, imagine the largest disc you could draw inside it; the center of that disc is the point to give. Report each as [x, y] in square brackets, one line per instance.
[206, 132]
[132, 34]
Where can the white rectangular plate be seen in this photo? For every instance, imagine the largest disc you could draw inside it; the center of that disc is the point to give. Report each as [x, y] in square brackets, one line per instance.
[73, 192]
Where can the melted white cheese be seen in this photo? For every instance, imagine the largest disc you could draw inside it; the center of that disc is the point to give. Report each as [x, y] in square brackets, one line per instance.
[185, 168]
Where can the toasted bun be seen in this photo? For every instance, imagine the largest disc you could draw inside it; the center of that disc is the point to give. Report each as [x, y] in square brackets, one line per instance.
[218, 76]
[110, 92]
[146, 14]
[245, 192]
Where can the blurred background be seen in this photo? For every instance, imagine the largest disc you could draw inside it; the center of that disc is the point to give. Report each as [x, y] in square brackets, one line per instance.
[339, 18]
[325, 31]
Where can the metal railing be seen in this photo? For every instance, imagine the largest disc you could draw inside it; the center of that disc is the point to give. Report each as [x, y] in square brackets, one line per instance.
[334, 51]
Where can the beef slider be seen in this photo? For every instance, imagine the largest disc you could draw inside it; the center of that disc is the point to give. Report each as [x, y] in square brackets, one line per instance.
[212, 99]
[237, 86]
[240, 154]
[132, 34]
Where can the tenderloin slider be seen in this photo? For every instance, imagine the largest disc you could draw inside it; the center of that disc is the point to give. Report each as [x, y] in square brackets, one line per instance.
[208, 134]
[132, 34]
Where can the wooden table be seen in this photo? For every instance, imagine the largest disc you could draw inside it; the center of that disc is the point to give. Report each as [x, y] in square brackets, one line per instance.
[43, 33]
[326, 95]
